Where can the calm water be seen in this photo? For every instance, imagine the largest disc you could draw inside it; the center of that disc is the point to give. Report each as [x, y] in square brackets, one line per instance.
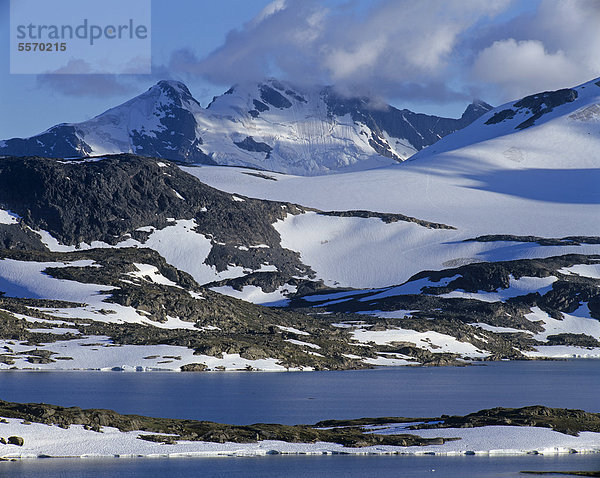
[292, 398]
[246, 397]
[299, 466]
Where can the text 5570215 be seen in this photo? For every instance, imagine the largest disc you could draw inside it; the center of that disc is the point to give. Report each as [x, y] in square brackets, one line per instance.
[42, 46]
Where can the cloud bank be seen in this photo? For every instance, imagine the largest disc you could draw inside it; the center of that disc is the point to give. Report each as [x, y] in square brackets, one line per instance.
[431, 50]
[434, 51]
[556, 47]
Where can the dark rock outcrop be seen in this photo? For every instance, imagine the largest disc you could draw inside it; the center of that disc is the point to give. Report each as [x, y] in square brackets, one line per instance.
[15, 440]
[535, 106]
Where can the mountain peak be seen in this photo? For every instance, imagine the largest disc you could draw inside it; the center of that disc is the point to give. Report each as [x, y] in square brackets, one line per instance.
[476, 109]
[176, 91]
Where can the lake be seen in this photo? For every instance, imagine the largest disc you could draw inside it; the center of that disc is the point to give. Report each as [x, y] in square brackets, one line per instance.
[297, 397]
[299, 466]
[307, 397]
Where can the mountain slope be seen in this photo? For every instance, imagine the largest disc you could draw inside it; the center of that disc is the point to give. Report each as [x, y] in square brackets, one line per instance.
[127, 248]
[484, 179]
[554, 123]
[269, 125]
[159, 122]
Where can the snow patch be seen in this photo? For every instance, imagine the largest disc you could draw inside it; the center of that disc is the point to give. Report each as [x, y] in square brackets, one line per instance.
[149, 272]
[302, 344]
[254, 294]
[584, 270]
[432, 341]
[292, 330]
[7, 217]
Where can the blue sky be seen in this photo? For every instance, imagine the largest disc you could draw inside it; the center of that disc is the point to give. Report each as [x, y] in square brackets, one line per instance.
[433, 56]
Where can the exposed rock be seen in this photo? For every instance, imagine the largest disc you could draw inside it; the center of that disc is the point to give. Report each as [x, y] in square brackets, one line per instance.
[249, 144]
[534, 106]
[563, 473]
[432, 311]
[542, 241]
[193, 367]
[542, 103]
[260, 106]
[273, 97]
[164, 439]
[15, 440]
[164, 122]
[15, 236]
[577, 340]
[270, 282]
[108, 200]
[418, 129]
[262, 176]
[387, 218]
[501, 116]
[562, 420]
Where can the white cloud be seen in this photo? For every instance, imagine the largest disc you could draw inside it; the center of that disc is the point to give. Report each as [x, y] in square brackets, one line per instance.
[521, 68]
[395, 45]
[272, 8]
[435, 50]
[557, 47]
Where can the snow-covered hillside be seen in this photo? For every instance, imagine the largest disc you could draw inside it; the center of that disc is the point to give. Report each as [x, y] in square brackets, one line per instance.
[269, 125]
[536, 181]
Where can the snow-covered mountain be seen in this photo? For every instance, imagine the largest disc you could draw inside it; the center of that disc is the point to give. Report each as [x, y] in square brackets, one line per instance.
[492, 177]
[269, 125]
[160, 122]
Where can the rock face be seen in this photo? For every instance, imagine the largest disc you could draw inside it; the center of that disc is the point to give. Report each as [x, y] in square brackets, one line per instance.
[420, 130]
[193, 367]
[269, 125]
[159, 122]
[63, 140]
[109, 200]
[120, 200]
[465, 301]
[569, 422]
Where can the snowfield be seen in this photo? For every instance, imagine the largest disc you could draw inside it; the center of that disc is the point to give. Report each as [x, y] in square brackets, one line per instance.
[51, 441]
[178, 243]
[433, 341]
[7, 217]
